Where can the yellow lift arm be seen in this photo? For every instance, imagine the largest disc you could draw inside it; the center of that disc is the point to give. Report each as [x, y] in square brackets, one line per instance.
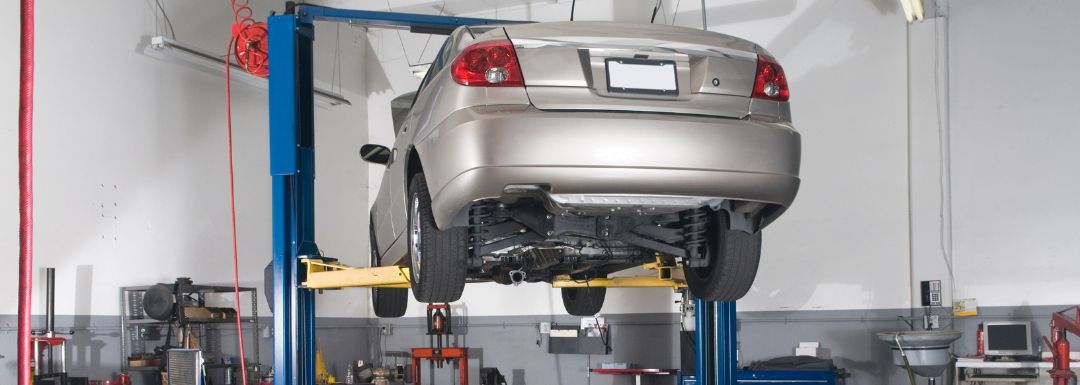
[334, 275]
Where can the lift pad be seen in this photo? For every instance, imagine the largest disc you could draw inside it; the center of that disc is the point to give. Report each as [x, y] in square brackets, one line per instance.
[333, 275]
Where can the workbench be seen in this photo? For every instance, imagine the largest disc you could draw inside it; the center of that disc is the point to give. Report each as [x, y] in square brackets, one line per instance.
[981, 372]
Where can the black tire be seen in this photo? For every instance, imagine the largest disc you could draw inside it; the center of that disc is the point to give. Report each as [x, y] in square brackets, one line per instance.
[583, 302]
[733, 263]
[388, 303]
[438, 270]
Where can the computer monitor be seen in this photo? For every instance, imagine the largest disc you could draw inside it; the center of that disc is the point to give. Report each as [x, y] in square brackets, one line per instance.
[1007, 338]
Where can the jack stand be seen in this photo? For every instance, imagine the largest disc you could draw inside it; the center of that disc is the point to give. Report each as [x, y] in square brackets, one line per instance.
[716, 349]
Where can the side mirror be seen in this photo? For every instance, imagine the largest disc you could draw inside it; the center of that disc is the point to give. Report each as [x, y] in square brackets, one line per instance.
[374, 153]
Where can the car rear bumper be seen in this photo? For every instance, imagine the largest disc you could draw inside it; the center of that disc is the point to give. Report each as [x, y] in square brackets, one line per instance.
[587, 157]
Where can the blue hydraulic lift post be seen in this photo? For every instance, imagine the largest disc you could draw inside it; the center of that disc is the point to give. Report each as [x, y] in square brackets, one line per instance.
[716, 343]
[292, 167]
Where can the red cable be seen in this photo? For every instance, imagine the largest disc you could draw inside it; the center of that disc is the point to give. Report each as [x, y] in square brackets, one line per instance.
[26, 186]
[232, 210]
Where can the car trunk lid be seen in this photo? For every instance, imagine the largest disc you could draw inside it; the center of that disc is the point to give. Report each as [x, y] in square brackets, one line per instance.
[641, 67]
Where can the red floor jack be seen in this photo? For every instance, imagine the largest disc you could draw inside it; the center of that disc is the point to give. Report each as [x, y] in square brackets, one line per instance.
[438, 324]
[1060, 323]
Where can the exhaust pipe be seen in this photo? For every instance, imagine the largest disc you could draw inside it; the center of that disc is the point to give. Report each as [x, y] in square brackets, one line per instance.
[517, 277]
[502, 276]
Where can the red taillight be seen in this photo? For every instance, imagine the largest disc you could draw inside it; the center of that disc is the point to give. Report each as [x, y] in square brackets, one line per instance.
[491, 63]
[770, 82]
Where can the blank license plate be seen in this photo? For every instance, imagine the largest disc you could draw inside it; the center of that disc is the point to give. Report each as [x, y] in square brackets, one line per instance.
[642, 76]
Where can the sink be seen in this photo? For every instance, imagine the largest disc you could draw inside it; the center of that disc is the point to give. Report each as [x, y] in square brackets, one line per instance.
[927, 350]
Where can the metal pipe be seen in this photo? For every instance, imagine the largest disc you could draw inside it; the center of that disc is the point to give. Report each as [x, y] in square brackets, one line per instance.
[50, 302]
[704, 21]
[26, 185]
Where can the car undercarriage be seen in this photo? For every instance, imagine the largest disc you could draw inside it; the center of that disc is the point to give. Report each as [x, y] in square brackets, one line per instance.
[533, 240]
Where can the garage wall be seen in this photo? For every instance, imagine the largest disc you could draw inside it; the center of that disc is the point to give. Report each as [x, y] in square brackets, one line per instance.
[1014, 157]
[843, 244]
[130, 178]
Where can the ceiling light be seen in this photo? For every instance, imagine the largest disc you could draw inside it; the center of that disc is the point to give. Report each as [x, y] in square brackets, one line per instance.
[913, 10]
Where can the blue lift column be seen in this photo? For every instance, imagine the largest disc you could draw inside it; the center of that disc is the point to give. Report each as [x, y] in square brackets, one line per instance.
[292, 167]
[716, 340]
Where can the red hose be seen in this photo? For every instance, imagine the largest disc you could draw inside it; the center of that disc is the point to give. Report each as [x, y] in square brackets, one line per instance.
[232, 212]
[26, 185]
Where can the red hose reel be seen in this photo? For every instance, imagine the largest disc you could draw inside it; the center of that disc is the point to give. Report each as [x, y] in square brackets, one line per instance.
[251, 48]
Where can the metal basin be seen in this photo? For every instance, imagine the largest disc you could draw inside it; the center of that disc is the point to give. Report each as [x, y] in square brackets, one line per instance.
[927, 351]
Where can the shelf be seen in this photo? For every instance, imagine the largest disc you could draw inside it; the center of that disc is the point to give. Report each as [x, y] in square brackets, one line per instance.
[205, 289]
[143, 368]
[131, 302]
[151, 321]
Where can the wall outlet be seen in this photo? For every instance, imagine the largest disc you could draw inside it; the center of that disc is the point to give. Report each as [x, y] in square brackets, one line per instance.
[931, 321]
[545, 327]
[386, 330]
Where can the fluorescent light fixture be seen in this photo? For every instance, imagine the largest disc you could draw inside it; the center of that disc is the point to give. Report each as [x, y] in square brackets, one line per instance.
[167, 49]
[913, 10]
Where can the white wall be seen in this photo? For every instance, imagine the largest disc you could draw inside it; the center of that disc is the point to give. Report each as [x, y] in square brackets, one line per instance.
[130, 164]
[843, 244]
[1012, 72]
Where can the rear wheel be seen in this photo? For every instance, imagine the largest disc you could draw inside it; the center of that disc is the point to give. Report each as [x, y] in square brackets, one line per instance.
[388, 303]
[583, 301]
[438, 257]
[733, 262]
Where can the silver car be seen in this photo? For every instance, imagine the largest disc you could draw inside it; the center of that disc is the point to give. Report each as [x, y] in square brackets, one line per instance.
[582, 149]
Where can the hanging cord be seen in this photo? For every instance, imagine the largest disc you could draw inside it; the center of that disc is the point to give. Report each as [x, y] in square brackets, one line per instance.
[573, 4]
[165, 15]
[232, 213]
[248, 41]
[26, 185]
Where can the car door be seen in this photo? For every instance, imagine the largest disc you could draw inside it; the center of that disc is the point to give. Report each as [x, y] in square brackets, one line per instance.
[380, 211]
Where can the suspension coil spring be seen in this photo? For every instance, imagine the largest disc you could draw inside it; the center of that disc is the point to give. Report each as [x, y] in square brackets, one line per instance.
[479, 216]
[695, 222]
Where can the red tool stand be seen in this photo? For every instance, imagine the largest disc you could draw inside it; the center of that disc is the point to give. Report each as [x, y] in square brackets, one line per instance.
[1060, 325]
[439, 327]
[46, 344]
[439, 356]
